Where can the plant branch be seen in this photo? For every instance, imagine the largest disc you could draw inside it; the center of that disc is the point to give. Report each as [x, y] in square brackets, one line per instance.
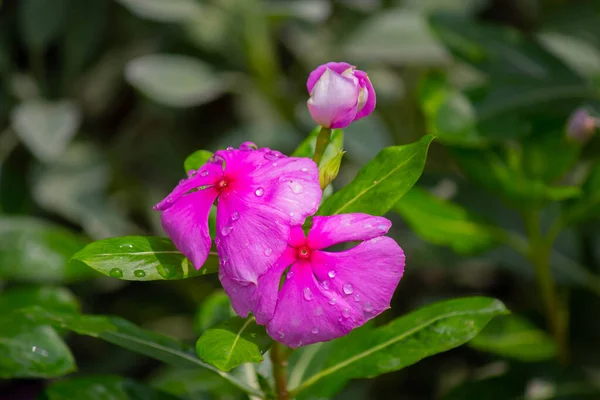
[323, 140]
[279, 360]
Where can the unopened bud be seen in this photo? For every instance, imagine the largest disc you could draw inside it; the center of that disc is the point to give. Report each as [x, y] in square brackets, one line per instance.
[329, 171]
[581, 126]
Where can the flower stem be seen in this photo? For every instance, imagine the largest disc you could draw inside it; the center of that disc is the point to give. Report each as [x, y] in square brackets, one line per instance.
[539, 255]
[323, 140]
[279, 360]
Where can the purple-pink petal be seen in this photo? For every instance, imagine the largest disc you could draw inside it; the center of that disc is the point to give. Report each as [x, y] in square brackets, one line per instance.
[365, 84]
[314, 76]
[334, 99]
[328, 231]
[186, 223]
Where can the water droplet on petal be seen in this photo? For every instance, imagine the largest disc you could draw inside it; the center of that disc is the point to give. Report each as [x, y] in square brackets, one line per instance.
[272, 155]
[181, 181]
[325, 285]
[116, 273]
[248, 146]
[348, 288]
[292, 214]
[308, 295]
[303, 169]
[281, 335]
[191, 173]
[259, 192]
[229, 148]
[290, 275]
[296, 188]
[235, 216]
[224, 261]
[226, 230]
[368, 307]
[331, 274]
[217, 159]
[357, 297]
[139, 273]
[332, 300]
[217, 241]
[382, 227]
[268, 252]
[346, 313]
[315, 330]
[205, 173]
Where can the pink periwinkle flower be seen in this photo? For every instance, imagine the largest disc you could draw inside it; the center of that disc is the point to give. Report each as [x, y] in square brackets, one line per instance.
[260, 192]
[325, 294]
[339, 95]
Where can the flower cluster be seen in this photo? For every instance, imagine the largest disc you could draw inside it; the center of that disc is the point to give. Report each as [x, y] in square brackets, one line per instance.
[292, 283]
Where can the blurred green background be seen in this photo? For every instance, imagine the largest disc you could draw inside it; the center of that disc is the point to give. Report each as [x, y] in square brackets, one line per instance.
[102, 100]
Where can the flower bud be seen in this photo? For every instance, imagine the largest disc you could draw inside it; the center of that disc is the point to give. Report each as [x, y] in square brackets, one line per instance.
[581, 125]
[329, 171]
[339, 95]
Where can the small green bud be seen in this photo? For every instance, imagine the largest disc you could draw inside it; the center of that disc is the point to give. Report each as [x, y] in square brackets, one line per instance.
[329, 171]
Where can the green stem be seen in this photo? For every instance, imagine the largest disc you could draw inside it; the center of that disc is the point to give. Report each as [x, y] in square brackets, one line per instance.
[539, 255]
[323, 140]
[279, 360]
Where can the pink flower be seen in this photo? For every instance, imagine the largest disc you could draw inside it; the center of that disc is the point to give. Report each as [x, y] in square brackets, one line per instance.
[260, 194]
[325, 294]
[339, 95]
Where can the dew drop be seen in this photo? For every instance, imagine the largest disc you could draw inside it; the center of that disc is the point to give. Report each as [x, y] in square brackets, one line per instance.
[296, 188]
[191, 173]
[217, 241]
[348, 288]
[332, 300]
[308, 295]
[268, 252]
[116, 273]
[226, 230]
[290, 275]
[248, 146]
[357, 297]
[315, 330]
[272, 155]
[325, 285]
[229, 148]
[303, 169]
[331, 274]
[224, 261]
[259, 192]
[205, 173]
[39, 351]
[126, 246]
[235, 216]
[139, 273]
[346, 313]
[368, 307]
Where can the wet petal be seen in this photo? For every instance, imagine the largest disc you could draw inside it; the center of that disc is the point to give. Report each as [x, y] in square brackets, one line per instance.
[186, 223]
[365, 84]
[208, 174]
[307, 313]
[314, 76]
[365, 276]
[245, 297]
[327, 231]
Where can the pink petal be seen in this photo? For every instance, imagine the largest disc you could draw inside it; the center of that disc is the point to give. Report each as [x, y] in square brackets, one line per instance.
[366, 84]
[327, 231]
[208, 174]
[333, 100]
[186, 223]
[314, 76]
[305, 313]
[245, 297]
[365, 276]
[253, 220]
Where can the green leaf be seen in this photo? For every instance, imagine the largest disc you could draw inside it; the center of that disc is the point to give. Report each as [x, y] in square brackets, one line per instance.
[366, 353]
[35, 251]
[232, 343]
[125, 334]
[174, 80]
[53, 298]
[215, 309]
[141, 258]
[382, 182]
[514, 337]
[307, 147]
[41, 21]
[162, 11]
[104, 387]
[445, 223]
[30, 350]
[46, 128]
[396, 36]
[194, 384]
[196, 160]
[588, 205]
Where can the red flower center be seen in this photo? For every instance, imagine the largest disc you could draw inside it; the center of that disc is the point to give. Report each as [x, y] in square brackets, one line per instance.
[222, 184]
[304, 252]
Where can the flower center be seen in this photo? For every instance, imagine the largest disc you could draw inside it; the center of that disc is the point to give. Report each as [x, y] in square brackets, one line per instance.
[222, 184]
[303, 252]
